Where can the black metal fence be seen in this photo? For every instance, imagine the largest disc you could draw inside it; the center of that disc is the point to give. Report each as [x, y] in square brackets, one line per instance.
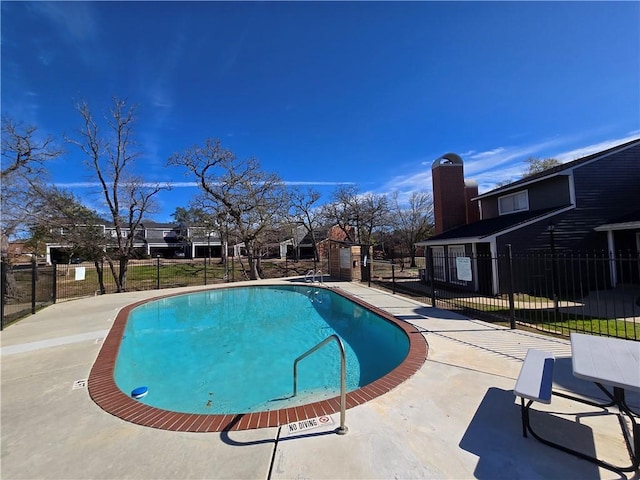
[559, 293]
[25, 289]
[596, 293]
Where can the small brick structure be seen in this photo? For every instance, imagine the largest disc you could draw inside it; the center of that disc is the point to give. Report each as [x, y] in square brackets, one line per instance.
[349, 261]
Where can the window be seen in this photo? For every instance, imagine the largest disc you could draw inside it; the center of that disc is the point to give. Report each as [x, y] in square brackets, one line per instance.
[454, 252]
[168, 234]
[123, 233]
[345, 258]
[516, 202]
[438, 263]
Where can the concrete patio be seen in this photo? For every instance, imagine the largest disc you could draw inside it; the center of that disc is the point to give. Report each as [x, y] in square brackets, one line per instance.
[456, 417]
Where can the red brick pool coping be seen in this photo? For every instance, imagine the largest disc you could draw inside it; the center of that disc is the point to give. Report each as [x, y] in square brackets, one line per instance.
[104, 391]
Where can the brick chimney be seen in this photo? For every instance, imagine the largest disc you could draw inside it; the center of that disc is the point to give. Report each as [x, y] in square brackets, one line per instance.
[471, 191]
[452, 205]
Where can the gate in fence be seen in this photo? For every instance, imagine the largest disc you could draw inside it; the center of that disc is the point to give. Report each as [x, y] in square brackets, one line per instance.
[25, 288]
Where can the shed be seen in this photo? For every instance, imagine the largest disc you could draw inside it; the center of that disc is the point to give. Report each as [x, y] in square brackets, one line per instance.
[349, 261]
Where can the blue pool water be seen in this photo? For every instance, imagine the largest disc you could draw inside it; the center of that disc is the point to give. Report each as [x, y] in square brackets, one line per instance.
[232, 350]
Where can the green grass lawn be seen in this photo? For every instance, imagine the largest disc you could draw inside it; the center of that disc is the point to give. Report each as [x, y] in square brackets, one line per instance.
[538, 314]
[561, 323]
[169, 274]
[144, 277]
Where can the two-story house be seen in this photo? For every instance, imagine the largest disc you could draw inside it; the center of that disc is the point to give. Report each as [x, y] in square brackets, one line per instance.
[589, 204]
[152, 239]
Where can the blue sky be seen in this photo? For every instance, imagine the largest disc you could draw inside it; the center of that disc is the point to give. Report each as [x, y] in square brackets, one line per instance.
[324, 93]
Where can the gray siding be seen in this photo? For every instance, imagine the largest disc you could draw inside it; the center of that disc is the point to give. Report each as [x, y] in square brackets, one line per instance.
[605, 190]
[550, 193]
[553, 192]
[489, 207]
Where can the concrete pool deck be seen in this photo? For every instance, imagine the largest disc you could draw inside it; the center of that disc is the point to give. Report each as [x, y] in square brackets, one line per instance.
[455, 418]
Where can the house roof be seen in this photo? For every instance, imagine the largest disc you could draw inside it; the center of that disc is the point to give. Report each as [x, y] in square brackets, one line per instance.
[491, 226]
[319, 233]
[558, 169]
[347, 243]
[144, 224]
[630, 221]
[158, 225]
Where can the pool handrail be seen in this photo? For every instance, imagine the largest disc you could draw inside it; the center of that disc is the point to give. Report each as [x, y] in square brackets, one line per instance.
[342, 429]
[311, 275]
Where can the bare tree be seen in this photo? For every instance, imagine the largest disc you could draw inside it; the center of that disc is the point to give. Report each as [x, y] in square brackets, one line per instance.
[24, 155]
[128, 198]
[372, 214]
[306, 212]
[209, 220]
[339, 211]
[412, 221]
[357, 215]
[251, 201]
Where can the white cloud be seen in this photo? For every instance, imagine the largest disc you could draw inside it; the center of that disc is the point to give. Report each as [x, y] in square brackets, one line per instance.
[75, 20]
[482, 155]
[193, 184]
[172, 184]
[419, 181]
[76, 184]
[314, 182]
[500, 164]
[405, 185]
[76, 23]
[494, 161]
[596, 147]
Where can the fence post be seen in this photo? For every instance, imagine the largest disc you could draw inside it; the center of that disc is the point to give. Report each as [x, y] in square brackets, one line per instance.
[393, 278]
[34, 273]
[205, 270]
[512, 307]
[554, 270]
[433, 285]
[3, 290]
[54, 288]
[158, 272]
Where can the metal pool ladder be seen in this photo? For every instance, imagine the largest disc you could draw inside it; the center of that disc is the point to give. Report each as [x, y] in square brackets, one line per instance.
[311, 276]
[342, 429]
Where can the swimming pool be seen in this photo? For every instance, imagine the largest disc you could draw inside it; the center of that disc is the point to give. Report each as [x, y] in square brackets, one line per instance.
[205, 356]
[232, 350]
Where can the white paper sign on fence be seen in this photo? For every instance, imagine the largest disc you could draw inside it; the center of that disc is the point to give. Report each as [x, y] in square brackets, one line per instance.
[463, 266]
[80, 273]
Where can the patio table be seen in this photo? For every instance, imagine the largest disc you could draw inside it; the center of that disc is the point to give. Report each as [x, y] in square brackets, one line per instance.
[611, 363]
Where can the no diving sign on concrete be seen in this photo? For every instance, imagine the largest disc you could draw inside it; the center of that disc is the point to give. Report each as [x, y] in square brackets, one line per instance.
[309, 424]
